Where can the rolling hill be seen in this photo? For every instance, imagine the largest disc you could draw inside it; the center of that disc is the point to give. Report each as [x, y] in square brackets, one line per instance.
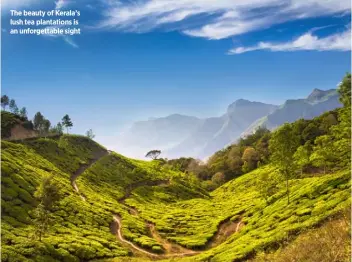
[129, 208]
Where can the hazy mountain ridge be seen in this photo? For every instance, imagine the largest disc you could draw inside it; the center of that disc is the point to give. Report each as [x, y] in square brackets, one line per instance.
[180, 135]
[235, 123]
[318, 102]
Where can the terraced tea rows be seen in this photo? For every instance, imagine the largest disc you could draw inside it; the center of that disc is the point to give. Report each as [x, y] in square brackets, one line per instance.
[154, 212]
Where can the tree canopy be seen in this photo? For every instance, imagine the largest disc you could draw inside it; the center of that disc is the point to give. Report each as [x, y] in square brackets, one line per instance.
[153, 154]
[66, 122]
[90, 134]
[344, 90]
[48, 196]
[283, 145]
[4, 101]
[13, 107]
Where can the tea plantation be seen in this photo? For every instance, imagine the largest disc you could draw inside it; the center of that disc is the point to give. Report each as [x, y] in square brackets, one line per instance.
[185, 217]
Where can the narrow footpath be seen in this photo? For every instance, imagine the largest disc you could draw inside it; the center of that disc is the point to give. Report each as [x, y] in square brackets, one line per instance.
[96, 157]
[225, 228]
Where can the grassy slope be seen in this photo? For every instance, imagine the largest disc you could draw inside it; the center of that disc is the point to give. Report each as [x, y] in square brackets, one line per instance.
[79, 232]
[193, 222]
[331, 242]
[82, 230]
[181, 211]
[118, 173]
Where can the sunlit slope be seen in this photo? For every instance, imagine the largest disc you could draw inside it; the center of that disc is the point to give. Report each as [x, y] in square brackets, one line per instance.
[194, 222]
[82, 228]
[143, 193]
[114, 176]
[80, 231]
[66, 152]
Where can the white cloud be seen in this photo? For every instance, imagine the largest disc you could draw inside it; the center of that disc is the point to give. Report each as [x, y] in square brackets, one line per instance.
[335, 42]
[70, 41]
[61, 3]
[223, 18]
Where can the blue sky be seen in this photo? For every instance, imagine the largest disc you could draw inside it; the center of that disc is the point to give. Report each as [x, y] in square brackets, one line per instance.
[150, 58]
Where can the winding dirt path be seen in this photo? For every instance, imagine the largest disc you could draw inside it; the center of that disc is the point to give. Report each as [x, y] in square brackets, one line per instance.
[225, 229]
[172, 249]
[83, 168]
[117, 220]
[118, 226]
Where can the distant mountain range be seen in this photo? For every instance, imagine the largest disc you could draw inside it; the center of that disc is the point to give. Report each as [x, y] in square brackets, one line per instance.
[179, 135]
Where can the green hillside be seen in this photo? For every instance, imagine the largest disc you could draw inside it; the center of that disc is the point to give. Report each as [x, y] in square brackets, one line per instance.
[182, 212]
[82, 228]
[91, 204]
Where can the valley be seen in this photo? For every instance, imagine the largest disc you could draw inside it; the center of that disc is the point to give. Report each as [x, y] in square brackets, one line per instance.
[67, 198]
[160, 219]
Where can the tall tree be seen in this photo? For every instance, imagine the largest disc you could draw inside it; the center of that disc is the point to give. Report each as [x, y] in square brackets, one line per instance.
[16, 111]
[48, 196]
[342, 131]
[311, 132]
[13, 107]
[218, 179]
[344, 90]
[266, 185]
[234, 160]
[327, 122]
[59, 128]
[66, 122]
[46, 126]
[153, 154]
[90, 134]
[262, 147]
[250, 159]
[283, 144]
[38, 121]
[301, 156]
[23, 112]
[323, 154]
[4, 101]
